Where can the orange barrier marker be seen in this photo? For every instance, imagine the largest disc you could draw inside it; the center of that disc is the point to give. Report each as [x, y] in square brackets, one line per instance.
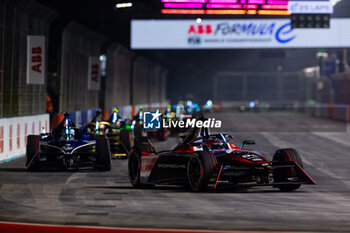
[56, 120]
[330, 111]
[105, 113]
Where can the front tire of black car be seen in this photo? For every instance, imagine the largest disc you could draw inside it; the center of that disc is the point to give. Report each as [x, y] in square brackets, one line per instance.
[285, 156]
[104, 159]
[31, 151]
[199, 170]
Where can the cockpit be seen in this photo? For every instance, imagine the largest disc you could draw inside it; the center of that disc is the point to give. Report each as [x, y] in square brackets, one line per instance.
[212, 141]
[66, 130]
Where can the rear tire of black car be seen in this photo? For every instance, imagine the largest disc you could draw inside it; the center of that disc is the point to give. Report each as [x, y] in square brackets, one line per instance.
[199, 170]
[134, 169]
[285, 156]
[31, 151]
[134, 166]
[104, 158]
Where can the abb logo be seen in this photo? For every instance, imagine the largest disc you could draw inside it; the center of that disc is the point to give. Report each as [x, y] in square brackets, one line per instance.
[200, 29]
[94, 72]
[1, 139]
[37, 58]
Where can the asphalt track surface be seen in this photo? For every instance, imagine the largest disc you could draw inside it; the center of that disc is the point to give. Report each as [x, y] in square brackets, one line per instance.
[92, 198]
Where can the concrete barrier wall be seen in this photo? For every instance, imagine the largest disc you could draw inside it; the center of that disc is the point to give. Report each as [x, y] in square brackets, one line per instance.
[14, 132]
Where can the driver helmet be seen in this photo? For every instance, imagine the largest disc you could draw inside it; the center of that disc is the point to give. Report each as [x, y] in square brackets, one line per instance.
[68, 134]
[141, 113]
[115, 116]
[71, 132]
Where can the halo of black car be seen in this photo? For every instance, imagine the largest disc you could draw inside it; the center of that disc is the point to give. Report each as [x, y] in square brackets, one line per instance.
[205, 161]
[67, 147]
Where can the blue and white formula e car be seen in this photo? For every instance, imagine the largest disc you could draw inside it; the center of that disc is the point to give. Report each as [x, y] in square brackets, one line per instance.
[67, 147]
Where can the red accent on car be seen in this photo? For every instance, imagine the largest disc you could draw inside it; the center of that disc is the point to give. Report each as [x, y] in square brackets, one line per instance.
[146, 153]
[218, 151]
[147, 164]
[240, 159]
[310, 179]
[217, 179]
[233, 147]
[184, 149]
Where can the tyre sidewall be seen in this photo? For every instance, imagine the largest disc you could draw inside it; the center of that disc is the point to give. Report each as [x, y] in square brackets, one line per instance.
[205, 161]
[134, 179]
[104, 159]
[31, 150]
[285, 156]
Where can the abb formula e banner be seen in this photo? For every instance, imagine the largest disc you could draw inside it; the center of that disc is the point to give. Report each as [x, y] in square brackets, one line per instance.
[36, 60]
[94, 73]
[235, 34]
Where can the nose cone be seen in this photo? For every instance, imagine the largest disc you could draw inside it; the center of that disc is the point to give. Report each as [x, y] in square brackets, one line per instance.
[67, 147]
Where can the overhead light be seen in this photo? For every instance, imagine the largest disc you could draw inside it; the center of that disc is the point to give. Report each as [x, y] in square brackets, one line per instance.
[123, 5]
[198, 20]
[103, 57]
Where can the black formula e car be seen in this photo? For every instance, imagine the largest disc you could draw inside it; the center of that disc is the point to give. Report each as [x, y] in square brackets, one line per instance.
[207, 161]
[119, 133]
[67, 147]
